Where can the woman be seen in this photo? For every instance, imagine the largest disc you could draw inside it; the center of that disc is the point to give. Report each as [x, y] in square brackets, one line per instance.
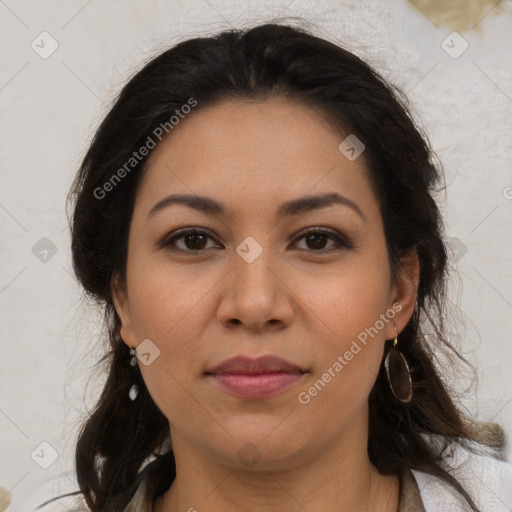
[255, 214]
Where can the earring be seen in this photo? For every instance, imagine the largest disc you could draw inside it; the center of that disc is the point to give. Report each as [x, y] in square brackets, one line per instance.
[134, 390]
[398, 373]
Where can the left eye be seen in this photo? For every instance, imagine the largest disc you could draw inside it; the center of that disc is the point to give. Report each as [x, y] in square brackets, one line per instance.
[317, 239]
[194, 240]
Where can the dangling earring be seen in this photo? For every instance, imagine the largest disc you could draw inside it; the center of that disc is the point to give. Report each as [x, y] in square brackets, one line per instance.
[397, 370]
[134, 390]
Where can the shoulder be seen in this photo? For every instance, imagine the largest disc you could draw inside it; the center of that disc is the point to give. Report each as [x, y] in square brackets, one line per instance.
[58, 493]
[151, 482]
[140, 501]
[487, 479]
[64, 504]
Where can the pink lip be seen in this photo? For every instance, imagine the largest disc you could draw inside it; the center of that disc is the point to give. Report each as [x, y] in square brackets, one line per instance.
[255, 385]
[248, 365]
[255, 378]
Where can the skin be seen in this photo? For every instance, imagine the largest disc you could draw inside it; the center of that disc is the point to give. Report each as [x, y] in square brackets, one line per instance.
[295, 301]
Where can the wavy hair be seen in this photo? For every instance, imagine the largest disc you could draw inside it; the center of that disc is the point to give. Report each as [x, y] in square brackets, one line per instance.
[269, 60]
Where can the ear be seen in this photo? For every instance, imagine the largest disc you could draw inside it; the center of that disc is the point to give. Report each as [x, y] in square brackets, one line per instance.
[404, 292]
[120, 300]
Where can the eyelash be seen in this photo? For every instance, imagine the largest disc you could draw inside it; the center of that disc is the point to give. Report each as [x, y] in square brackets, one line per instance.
[340, 241]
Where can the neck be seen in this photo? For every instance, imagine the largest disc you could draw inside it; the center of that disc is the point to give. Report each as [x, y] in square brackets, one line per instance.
[338, 478]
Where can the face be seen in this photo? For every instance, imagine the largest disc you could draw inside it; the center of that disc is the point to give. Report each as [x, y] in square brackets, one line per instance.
[308, 282]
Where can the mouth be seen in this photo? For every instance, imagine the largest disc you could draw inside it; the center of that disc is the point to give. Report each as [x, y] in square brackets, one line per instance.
[249, 378]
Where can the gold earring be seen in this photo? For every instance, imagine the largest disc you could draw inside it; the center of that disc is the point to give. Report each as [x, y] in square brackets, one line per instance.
[398, 373]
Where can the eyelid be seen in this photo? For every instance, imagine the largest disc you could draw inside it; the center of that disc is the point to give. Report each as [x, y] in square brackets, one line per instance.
[170, 238]
[341, 241]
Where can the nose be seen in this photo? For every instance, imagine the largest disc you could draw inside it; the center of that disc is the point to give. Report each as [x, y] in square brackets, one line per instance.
[256, 295]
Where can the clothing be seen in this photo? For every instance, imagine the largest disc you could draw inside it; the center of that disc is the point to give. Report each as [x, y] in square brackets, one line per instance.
[488, 480]
[410, 496]
[409, 501]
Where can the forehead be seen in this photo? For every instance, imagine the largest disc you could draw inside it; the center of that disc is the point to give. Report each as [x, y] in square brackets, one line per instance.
[252, 152]
[276, 126]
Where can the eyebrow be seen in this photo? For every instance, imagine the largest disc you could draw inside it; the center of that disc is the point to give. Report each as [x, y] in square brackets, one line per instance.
[294, 207]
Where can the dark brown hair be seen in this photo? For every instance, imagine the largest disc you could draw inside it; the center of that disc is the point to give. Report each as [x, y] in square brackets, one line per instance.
[268, 60]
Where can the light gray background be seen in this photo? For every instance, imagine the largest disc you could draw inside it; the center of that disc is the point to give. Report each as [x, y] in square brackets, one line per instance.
[50, 107]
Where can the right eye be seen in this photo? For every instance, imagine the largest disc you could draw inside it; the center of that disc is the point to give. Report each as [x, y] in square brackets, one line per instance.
[192, 240]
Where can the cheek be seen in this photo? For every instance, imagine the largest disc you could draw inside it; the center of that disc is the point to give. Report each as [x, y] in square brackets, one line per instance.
[167, 299]
[350, 348]
[349, 308]
[349, 299]
[170, 308]
[172, 313]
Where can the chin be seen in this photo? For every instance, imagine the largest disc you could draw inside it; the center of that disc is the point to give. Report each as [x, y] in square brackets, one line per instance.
[267, 450]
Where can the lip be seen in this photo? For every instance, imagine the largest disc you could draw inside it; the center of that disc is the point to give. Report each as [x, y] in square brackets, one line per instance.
[262, 377]
[247, 365]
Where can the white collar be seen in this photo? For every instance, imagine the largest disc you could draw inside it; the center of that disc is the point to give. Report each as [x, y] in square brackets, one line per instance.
[486, 479]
